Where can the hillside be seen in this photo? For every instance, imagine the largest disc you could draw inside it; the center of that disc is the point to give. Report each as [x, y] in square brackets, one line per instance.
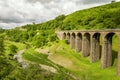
[101, 17]
[42, 47]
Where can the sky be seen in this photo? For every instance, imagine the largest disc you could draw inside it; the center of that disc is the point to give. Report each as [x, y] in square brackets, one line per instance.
[15, 13]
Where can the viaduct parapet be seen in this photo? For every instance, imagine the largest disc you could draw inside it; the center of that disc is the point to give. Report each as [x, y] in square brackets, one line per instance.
[88, 42]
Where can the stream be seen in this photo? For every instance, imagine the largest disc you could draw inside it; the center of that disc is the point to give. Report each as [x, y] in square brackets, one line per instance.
[18, 57]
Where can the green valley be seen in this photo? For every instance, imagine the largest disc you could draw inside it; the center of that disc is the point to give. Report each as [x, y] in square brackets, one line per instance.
[44, 57]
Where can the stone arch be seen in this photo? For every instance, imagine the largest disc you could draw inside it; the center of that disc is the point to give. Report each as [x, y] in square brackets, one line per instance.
[86, 45]
[107, 55]
[72, 40]
[78, 42]
[95, 47]
[64, 35]
[68, 37]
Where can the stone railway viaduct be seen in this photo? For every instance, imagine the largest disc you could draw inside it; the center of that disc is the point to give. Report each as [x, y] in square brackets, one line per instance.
[88, 42]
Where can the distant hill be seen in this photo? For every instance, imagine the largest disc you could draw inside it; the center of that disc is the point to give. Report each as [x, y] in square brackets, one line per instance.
[101, 17]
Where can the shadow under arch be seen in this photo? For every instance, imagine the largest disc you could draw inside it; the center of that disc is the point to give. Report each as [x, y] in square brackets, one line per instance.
[78, 42]
[86, 45]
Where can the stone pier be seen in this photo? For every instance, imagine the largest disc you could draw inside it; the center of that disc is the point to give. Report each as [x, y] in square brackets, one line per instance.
[78, 42]
[95, 47]
[86, 45]
[72, 41]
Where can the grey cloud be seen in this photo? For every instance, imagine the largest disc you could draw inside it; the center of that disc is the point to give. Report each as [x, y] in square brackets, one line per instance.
[10, 20]
[77, 1]
[95, 1]
[42, 1]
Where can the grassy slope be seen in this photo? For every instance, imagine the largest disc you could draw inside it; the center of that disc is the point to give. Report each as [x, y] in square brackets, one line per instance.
[38, 58]
[34, 56]
[81, 66]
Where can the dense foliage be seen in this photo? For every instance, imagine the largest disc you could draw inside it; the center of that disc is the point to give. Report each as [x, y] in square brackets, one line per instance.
[37, 38]
[2, 45]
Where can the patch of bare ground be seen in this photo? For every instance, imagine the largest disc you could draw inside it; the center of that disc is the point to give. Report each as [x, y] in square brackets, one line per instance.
[59, 59]
[63, 61]
[43, 51]
[48, 68]
[18, 57]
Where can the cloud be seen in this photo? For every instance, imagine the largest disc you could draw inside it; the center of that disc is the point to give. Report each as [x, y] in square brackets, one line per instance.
[19, 12]
[95, 1]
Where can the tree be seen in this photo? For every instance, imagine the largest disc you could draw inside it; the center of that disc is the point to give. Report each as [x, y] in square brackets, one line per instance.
[2, 45]
[13, 48]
